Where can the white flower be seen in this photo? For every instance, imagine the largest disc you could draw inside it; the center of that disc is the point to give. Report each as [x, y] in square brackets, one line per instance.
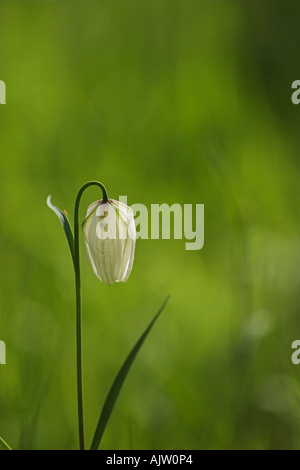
[109, 233]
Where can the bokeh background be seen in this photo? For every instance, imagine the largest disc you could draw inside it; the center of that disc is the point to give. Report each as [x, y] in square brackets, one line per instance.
[165, 102]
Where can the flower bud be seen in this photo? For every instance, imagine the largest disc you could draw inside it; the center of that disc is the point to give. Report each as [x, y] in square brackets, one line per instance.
[109, 233]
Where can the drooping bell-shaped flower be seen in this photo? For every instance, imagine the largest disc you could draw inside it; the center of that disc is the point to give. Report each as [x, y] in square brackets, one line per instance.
[109, 233]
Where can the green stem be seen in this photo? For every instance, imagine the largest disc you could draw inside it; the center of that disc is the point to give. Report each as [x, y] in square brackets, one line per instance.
[78, 307]
[4, 444]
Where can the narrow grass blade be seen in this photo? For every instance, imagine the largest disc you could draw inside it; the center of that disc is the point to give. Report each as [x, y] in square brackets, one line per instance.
[65, 223]
[118, 383]
[4, 444]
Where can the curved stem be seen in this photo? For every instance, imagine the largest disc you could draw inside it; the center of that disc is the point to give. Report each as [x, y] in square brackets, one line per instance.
[78, 307]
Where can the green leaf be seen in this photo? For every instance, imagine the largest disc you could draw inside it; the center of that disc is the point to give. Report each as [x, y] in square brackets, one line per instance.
[118, 383]
[4, 444]
[65, 223]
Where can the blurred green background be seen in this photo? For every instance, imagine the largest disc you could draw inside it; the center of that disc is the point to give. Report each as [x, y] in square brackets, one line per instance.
[165, 102]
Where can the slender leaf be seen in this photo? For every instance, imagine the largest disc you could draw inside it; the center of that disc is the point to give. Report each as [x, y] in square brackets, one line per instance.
[4, 444]
[118, 383]
[65, 223]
